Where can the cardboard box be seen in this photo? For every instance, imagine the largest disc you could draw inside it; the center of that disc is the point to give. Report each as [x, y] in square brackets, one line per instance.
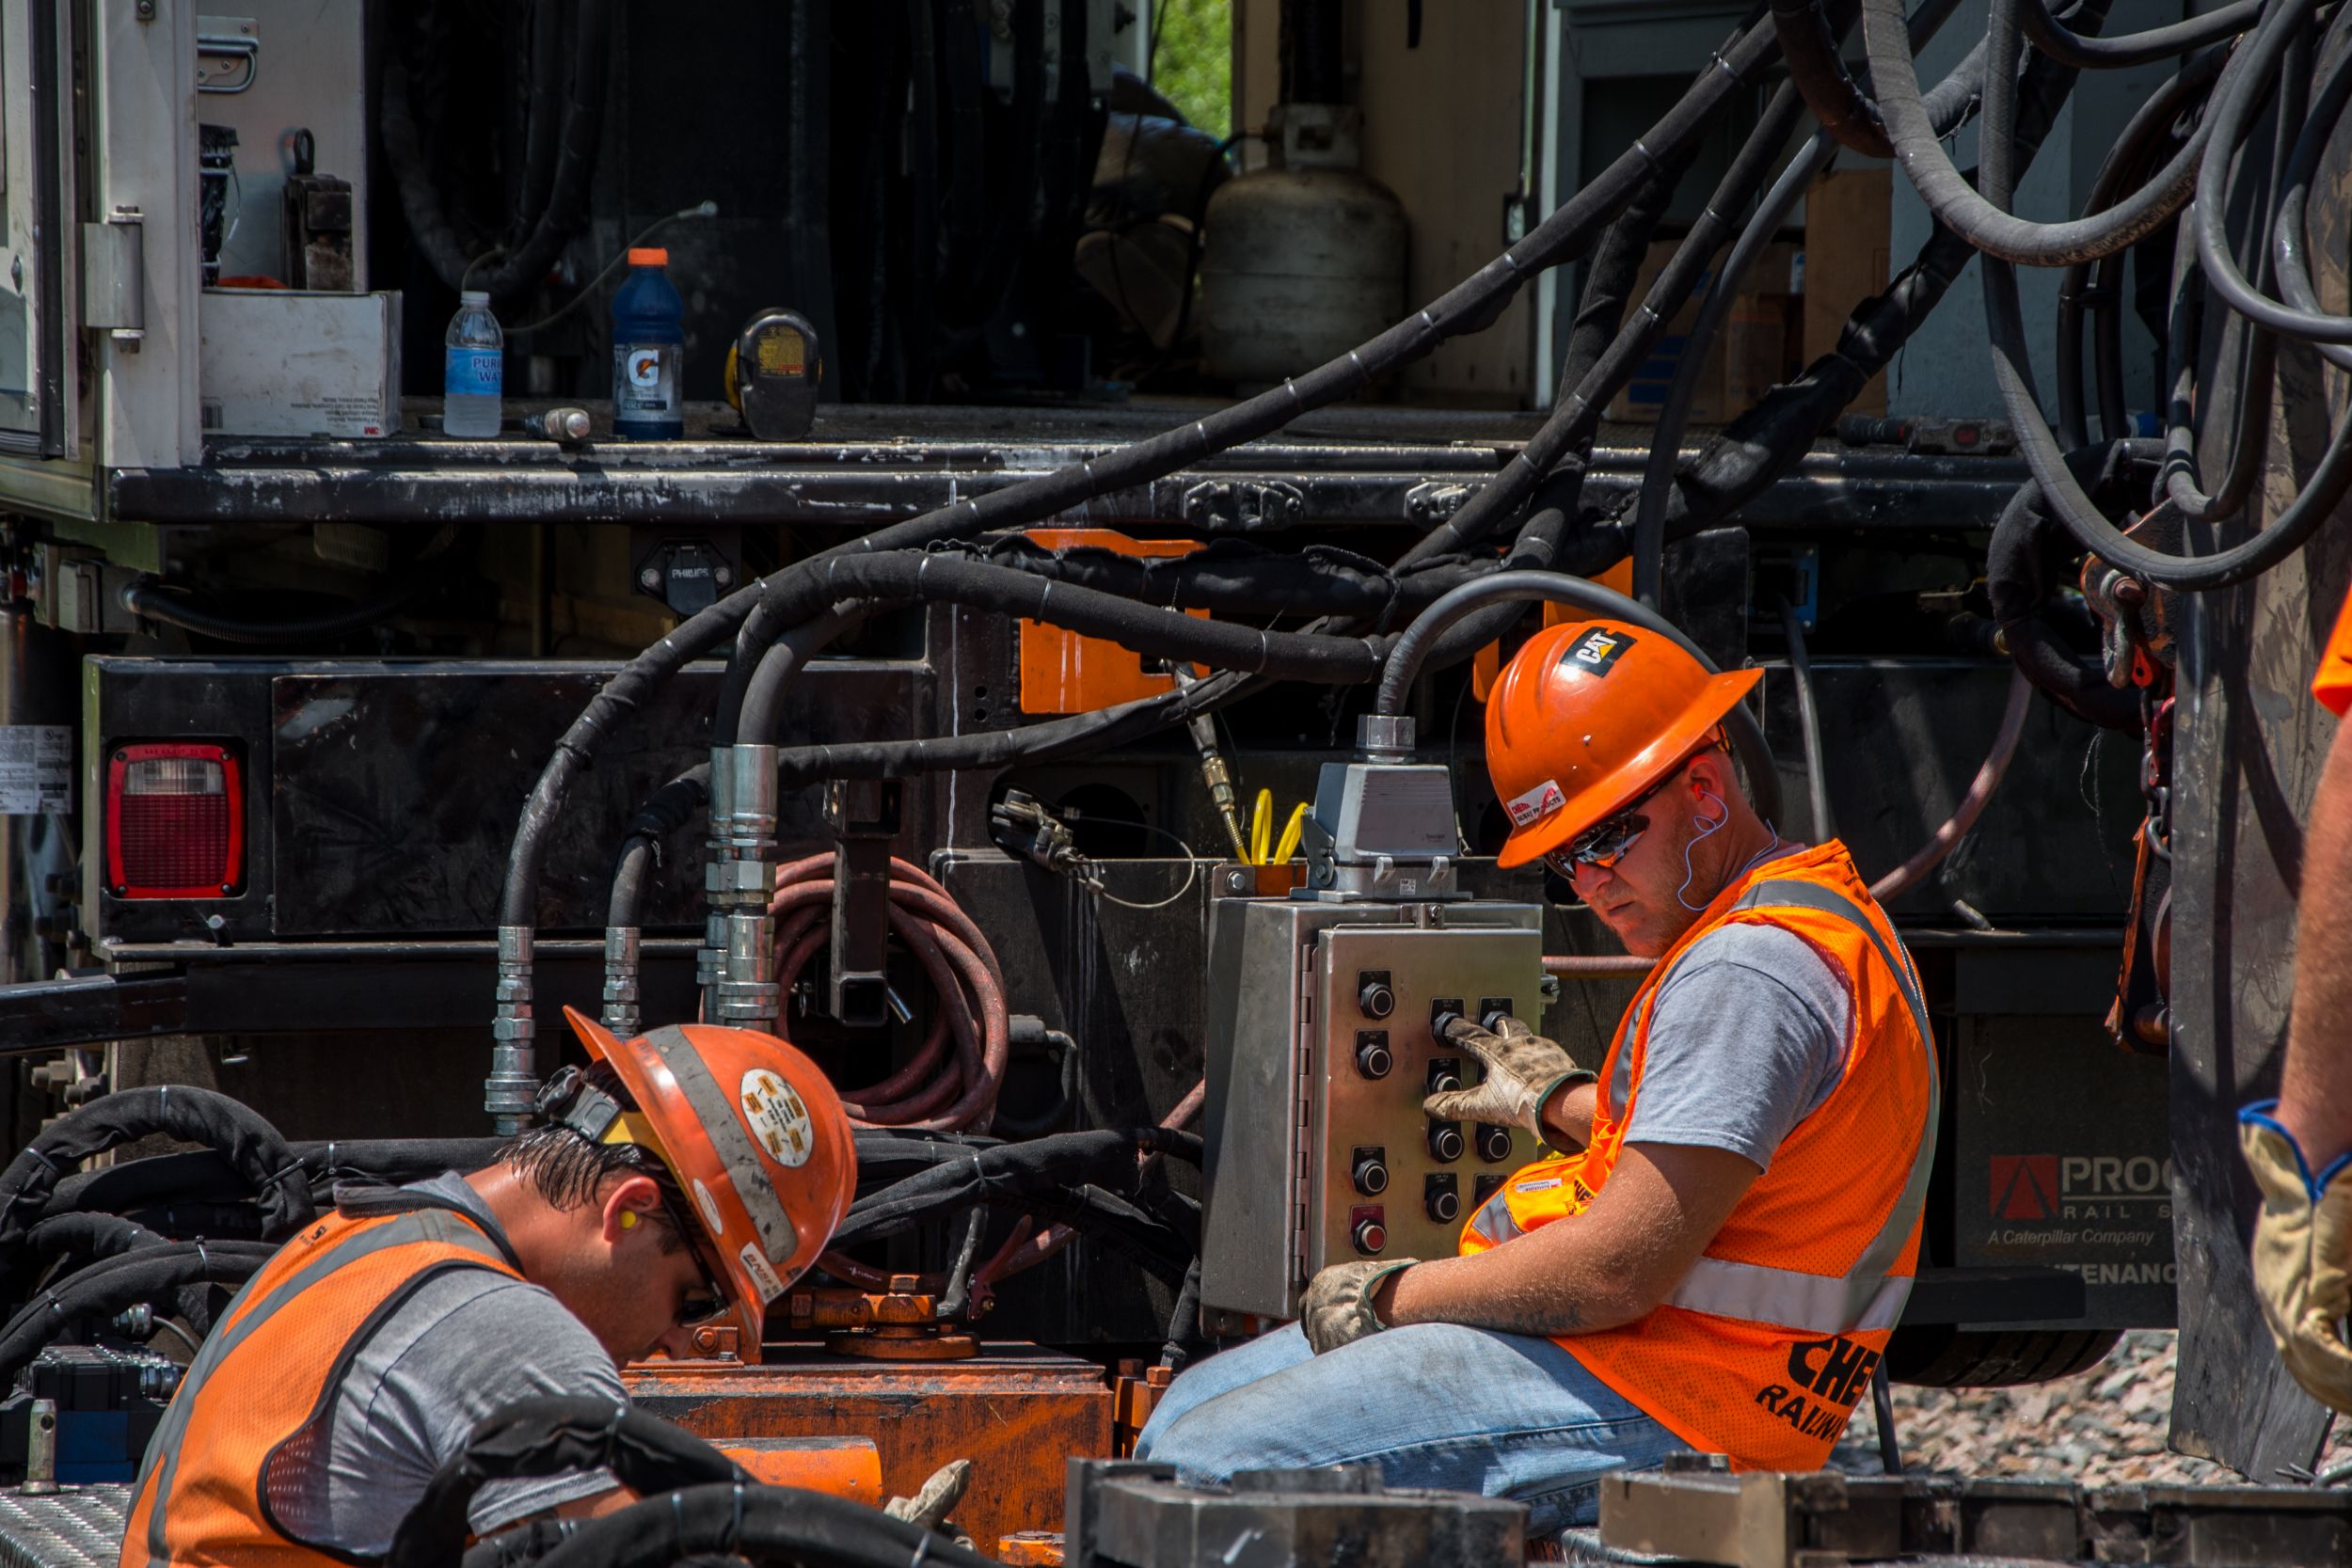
[1750, 354]
[293, 362]
[1844, 261]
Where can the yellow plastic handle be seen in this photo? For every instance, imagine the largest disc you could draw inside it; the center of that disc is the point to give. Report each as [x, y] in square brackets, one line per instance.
[1292, 831]
[1262, 827]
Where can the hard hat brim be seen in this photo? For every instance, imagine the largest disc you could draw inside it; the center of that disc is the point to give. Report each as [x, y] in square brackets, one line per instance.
[1606, 795]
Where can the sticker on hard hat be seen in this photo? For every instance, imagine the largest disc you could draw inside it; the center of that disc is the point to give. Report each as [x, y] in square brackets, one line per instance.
[778, 1116]
[1597, 650]
[762, 1272]
[1537, 804]
[710, 1206]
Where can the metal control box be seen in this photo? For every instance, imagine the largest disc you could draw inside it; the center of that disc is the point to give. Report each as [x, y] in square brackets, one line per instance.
[1320, 1048]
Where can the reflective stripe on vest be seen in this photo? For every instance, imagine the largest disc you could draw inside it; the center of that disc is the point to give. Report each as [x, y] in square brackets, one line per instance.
[434, 1227]
[1863, 1298]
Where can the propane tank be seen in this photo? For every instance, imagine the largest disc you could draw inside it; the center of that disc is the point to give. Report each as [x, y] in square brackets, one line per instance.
[1303, 259]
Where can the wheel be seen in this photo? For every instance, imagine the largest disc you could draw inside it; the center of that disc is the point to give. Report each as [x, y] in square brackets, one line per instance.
[1932, 1355]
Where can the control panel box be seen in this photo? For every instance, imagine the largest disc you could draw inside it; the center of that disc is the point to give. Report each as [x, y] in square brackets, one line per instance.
[1324, 1037]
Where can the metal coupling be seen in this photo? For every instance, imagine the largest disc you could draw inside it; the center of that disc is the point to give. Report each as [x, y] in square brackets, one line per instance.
[512, 1092]
[621, 1013]
[1385, 736]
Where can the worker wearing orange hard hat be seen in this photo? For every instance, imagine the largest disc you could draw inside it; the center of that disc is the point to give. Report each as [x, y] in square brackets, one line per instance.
[684, 1178]
[1718, 1255]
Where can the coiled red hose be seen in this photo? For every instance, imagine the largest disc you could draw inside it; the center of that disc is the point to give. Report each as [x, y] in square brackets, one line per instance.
[936, 1091]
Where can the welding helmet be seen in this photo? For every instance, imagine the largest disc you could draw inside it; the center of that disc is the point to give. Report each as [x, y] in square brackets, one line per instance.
[1588, 715]
[756, 1138]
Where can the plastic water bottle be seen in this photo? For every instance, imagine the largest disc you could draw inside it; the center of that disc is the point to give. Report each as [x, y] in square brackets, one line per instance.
[473, 369]
[648, 343]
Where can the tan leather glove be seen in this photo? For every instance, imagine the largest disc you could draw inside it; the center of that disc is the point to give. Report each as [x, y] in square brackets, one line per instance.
[936, 1499]
[2302, 1253]
[1523, 1071]
[1338, 1308]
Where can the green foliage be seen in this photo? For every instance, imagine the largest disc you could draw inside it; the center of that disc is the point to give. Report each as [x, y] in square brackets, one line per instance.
[1193, 62]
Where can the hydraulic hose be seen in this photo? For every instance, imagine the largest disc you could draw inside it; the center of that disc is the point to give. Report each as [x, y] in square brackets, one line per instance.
[2053, 38]
[549, 1436]
[1766, 441]
[112, 1283]
[250, 1144]
[1405, 660]
[1894, 74]
[1948, 105]
[1808, 723]
[1569, 428]
[760, 1524]
[2019, 583]
[2290, 240]
[2126, 162]
[1988, 775]
[1810, 46]
[1025, 1250]
[931, 1092]
[2075, 510]
[2238, 99]
[665, 810]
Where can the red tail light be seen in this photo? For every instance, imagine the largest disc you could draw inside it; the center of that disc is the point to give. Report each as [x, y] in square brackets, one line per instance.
[175, 822]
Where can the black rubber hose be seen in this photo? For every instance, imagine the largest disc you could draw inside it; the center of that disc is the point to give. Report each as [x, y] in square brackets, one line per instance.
[665, 810]
[957, 1298]
[250, 1144]
[1808, 724]
[2126, 162]
[2052, 36]
[392, 1162]
[2013, 367]
[1405, 661]
[761, 1524]
[2233, 108]
[68, 1242]
[1768, 441]
[1809, 46]
[1948, 105]
[2289, 238]
[115, 1284]
[2020, 581]
[1108, 1221]
[1568, 428]
[1472, 305]
[1240, 579]
[1894, 74]
[763, 699]
[547, 1436]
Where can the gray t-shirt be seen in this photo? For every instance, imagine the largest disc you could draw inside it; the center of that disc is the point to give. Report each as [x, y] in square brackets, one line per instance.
[1749, 1038]
[465, 1345]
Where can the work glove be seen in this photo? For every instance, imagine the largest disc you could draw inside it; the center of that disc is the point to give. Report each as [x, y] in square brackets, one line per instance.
[1523, 1071]
[1337, 1310]
[2302, 1252]
[937, 1497]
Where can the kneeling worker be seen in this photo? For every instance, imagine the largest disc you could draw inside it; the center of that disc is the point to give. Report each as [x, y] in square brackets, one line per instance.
[686, 1177]
[1719, 1263]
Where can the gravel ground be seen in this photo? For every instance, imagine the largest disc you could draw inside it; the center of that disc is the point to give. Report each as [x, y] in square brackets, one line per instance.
[2103, 1428]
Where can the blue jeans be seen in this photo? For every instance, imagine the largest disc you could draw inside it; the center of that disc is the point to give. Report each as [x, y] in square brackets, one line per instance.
[1433, 1405]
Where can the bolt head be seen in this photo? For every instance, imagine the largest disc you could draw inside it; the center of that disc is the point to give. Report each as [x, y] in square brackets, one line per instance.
[722, 574]
[650, 579]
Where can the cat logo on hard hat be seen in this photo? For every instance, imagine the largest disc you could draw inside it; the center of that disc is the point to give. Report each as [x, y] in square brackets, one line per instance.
[778, 1116]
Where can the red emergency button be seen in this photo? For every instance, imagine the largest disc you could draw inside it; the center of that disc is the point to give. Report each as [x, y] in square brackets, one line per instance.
[1371, 1235]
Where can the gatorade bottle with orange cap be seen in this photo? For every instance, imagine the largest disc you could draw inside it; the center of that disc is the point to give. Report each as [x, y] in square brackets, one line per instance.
[648, 343]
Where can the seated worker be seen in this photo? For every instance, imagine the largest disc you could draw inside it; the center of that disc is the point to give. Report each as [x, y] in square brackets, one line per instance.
[363, 1355]
[1720, 1262]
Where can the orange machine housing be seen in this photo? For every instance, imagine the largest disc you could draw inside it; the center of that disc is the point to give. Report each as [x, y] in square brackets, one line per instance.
[1018, 1412]
[1064, 672]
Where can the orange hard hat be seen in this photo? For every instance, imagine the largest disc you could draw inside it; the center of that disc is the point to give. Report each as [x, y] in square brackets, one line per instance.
[1588, 715]
[758, 1139]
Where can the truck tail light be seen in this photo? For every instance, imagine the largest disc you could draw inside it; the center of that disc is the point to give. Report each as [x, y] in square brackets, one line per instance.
[175, 821]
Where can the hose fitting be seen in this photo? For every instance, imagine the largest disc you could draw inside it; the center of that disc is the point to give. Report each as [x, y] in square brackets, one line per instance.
[623, 1014]
[511, 1090]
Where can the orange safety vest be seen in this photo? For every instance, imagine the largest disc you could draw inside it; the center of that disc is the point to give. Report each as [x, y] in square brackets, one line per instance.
[2331, 683]
[258, 1400]
[1763, 1349]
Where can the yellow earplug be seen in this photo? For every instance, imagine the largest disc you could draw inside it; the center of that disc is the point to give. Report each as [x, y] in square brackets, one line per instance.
[628, 1219]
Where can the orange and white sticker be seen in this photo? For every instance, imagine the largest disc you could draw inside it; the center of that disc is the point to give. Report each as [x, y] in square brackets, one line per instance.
[1536, 804]
[710, 1206]
[762, 1272]
[778, 1116]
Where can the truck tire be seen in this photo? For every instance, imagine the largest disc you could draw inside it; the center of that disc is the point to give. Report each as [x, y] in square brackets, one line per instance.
[1937, 1357]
